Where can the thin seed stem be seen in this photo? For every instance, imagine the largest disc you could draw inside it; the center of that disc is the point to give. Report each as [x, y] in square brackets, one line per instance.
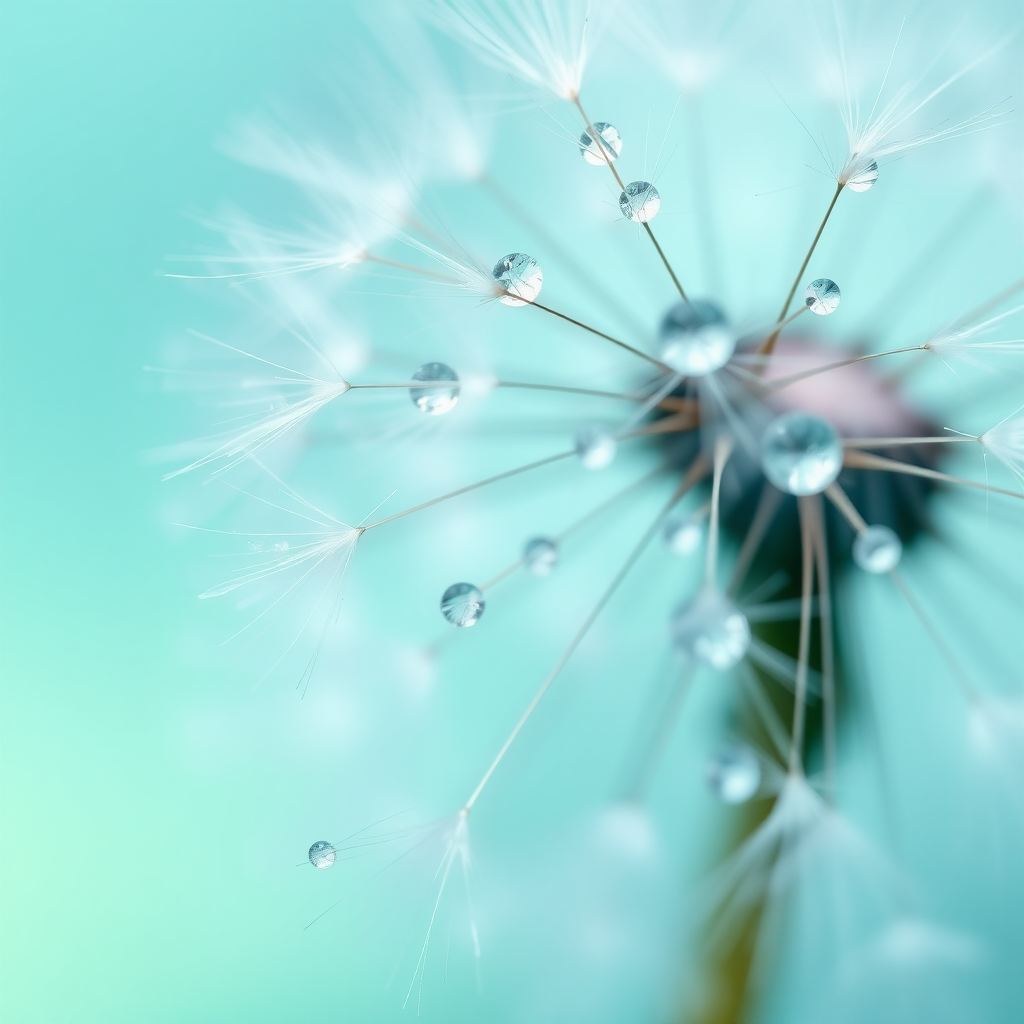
[862, 460]
[610, 161]
[723, 448]
[898, 442]
[769, 345]
[767, 506]
[564, 389]
[593, 330]
[778, 385]
[471, 487]
[696, 471]
[841, 500]
[828, 670]
[803, 654]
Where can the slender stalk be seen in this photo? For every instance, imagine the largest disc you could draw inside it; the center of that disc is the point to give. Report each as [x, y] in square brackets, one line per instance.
[723, 448]
[767, 506]
[842, 502]
[862, 460]
[803, 651]
[695, 473]
[784, 382]
[899, 442]
[610, 161]
[471, 487]
[769, 345]
[828, 664]
[593, 330]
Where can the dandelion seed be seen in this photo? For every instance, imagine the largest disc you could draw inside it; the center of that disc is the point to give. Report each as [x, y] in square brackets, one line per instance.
[711, 629]
[877, 549]
[639, 201]
[435, 401]
[520, 277]
[322, 854]
[801, 454]
[540, 556]
[733, 773]
[595, 446]
[605, 151]
[462, 604]
[1006, 442]
[822, 296]
[695, 338]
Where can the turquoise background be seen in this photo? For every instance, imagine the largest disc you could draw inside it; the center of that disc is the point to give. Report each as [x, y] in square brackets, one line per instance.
[147, 849]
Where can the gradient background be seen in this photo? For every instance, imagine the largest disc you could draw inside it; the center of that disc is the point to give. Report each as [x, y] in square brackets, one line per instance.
[148, 842]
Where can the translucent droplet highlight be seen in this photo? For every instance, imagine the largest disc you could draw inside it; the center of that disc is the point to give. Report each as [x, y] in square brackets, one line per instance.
[822, 296]
[540, 556]
[801, 454]
[436, 400]
[595, 446]
[520, 276]
[639, 201]
[711, 629]
[322, 854]
[462, 604]
[683, 535]
[695, 338]
[877, 549]
[861, 180]
[733, 773]
[603, 152]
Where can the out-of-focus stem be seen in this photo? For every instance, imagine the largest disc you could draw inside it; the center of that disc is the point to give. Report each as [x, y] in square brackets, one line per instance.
[804, 647]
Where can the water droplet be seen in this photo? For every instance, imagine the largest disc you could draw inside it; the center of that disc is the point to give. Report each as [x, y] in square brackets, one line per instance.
[610, 145]
[861, 180]
[520, 276]
[695, 338]
[322, 854]
[435, 401]
[639, 201]
[822, 296]
[877, 549]
[712, 629]
[800, 453]
[595, 446]
[540, 556]
[683, 535]
[462, 604]
[733, 773]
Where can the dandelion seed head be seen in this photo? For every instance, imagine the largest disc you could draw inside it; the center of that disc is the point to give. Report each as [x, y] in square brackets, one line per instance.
[1006, 442]
[801, 454]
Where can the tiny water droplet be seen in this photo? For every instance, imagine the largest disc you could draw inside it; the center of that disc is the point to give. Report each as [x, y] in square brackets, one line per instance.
[639, 201]
[322, 855]
[435, 401]
[595, 446]
[540, 556]
[800, 453]
[462, 604]
[610, 146]
[822, 296]
[733, 773]
[712, 629]
[877, 549]
[861, 180]
[683, 535]
[520, 276]
[695, 338]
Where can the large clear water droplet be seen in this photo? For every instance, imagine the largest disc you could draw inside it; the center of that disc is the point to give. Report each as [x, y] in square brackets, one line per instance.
[322, 854]
[822, 296]
[639, 201]
[435, 401]
[462, 604]
[877, 549]
[733, 773]
[683, 534]
[800, 453]
[605, 151]
[595, 446]
[695, 338]
[520, 276]
[712, 629]
[861, 180]
[540, 556]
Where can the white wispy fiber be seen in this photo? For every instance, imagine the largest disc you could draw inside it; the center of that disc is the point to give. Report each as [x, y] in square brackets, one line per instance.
[967, 343]
[1006, 442]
